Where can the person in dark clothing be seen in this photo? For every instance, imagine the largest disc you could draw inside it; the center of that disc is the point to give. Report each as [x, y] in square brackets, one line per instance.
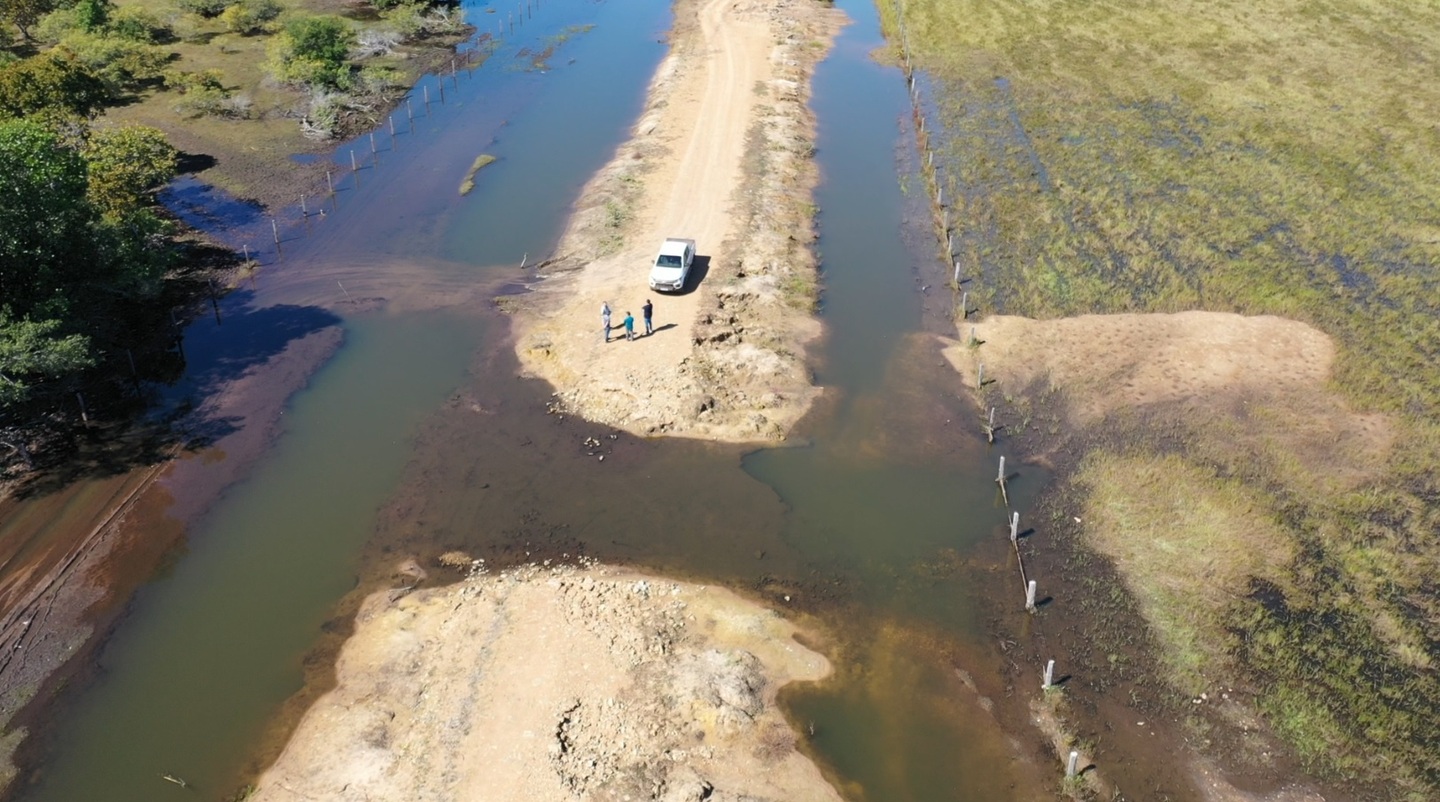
[645, 311]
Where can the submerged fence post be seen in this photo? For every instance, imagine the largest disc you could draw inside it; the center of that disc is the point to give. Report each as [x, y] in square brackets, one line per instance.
[304, 212]
[1030, 597]
[1000, 477]
[1014, 526]
[353, 166]
[330, 182]
[1049, 676]
[275, 229]
[392, 130]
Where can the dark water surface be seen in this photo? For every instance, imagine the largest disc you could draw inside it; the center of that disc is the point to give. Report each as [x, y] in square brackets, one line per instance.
[417, 439]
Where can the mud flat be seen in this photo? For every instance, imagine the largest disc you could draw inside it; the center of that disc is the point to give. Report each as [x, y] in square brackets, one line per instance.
[556, 683]
[722, 154]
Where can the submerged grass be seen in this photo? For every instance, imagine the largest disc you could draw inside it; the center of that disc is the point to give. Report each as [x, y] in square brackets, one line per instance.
[1263, 159]
[481, 162]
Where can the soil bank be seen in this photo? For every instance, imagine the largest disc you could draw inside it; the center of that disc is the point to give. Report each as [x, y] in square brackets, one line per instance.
[721, 155]
[554, 683]
[1209, 386]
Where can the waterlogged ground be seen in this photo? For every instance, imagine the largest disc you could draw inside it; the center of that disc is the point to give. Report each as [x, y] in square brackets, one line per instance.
[1108, 158]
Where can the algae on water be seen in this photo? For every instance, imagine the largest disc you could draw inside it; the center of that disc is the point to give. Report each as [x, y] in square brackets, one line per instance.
[480, 162]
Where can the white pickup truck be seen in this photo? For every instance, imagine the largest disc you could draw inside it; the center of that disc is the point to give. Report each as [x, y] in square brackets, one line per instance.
[672, 265]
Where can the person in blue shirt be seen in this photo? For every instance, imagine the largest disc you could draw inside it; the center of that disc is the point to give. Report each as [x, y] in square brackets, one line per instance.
[629, 326]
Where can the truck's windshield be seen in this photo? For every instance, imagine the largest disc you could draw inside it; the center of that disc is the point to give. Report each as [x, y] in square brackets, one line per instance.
[666, 260]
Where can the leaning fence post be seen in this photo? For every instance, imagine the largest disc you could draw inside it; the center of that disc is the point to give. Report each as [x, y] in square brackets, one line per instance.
[1030, 596]
[1049, 676]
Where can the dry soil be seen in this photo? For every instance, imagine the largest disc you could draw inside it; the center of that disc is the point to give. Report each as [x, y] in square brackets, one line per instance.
[556, 683]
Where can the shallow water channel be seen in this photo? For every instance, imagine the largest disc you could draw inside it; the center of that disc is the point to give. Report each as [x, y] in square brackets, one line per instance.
[417, 438]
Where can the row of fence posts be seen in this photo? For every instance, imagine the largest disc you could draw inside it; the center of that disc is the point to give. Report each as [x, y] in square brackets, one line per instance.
[946, 242]
[469, 59]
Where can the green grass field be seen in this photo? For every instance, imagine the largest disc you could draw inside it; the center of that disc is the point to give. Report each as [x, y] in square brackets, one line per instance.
[1278, 158]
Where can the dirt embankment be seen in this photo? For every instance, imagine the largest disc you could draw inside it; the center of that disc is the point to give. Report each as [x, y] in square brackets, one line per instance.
[722, 155]
[556, 683]
[1152, 420]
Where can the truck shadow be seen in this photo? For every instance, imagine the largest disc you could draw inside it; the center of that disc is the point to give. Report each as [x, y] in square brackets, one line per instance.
[699, 269]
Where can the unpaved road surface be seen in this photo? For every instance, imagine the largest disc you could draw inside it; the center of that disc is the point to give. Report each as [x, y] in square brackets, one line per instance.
[548, 684]
[721, 156]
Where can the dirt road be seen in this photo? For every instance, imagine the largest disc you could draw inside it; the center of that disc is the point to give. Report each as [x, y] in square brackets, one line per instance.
[563, 683]
[721, 156]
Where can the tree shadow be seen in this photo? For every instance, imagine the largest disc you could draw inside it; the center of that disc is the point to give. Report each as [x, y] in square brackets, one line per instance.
[191, 163]
[136, 422]
[207, 208]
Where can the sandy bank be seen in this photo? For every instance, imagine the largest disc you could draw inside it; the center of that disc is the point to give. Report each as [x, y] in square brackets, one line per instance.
[722, 155]
[1263, 379]
[556, 683]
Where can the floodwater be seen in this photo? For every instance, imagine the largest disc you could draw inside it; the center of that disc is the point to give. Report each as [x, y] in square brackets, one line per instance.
[417, 438]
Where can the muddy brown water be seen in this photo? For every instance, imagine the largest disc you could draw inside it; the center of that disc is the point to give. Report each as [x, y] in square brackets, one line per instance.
[416, 438]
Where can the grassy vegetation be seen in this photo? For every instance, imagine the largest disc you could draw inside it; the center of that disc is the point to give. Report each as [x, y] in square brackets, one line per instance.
[1263, 159]
[480, 163]
[1181, 572]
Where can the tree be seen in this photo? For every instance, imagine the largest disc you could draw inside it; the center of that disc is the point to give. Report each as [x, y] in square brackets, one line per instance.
[313, 50]
[34, 351]
[45, 220]
[124, 165]
[92, 15]
[25, 13]
[53, 83]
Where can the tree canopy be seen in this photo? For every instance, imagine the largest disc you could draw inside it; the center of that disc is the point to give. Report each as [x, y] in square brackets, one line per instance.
[79, 247]
[50, 84]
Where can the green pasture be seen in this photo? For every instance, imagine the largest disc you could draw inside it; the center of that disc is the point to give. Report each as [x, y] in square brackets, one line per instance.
[1263, 158]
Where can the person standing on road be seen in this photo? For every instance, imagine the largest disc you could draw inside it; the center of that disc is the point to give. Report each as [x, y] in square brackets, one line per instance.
[646, 311]
[629, 324]
[605, 318]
